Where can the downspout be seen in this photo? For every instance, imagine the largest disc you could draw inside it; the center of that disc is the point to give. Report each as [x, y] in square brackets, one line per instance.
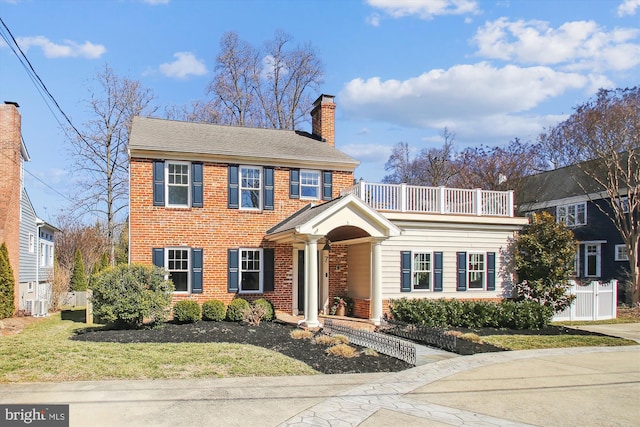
[39, 223]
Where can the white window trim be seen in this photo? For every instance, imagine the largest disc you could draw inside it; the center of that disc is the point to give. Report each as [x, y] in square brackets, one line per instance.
[413, 271]
[318, 187]
[166, 185]
[564, 219]
[32, 243]
[261, 272]
[42, 254]
[166, 263]
[30, 287]
[617, 253]
[260, 188]
[484, 271]
[598, 255]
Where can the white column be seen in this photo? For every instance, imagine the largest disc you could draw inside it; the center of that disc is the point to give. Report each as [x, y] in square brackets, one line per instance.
[376, 283]
[311, 283]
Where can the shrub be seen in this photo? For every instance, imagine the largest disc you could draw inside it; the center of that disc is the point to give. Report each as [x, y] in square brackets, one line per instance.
[269, 313]
[370, 352]
[331, 340]
[253, 314]
[301, 334]
[7, 284]
[213, 310]
[342, 350]
[236, 309]
[78, 276]
[128, 294]
[187, 311]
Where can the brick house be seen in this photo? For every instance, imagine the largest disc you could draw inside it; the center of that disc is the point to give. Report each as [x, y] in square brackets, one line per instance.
[276, 214]
[29, 239]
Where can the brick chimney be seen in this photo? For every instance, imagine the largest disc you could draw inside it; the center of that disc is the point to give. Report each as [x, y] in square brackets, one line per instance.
[10, 186]
[323, 119]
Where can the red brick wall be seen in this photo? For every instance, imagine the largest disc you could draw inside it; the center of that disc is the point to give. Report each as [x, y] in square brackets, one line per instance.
[215, 228]
[10, 164]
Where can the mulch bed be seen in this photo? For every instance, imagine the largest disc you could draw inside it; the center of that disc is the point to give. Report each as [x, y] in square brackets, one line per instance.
[270, 335]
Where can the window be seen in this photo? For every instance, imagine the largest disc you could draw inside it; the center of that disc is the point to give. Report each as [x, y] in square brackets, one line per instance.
[43, 256]
[30, 287]
[623, 202]
[621, 253]
[250, 186]
[251, 270]
[177, 184]
[309, 184]
[178, 267]
[572, 215]
[592, 259]
[476, 270]
[422, 271]
[32, 243]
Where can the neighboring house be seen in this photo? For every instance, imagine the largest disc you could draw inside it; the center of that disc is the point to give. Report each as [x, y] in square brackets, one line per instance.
[29, 240]
[579, 202]
[276, 214]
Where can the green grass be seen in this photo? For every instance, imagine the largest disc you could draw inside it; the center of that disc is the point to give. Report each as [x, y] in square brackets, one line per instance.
[532, 342]
[44, 352]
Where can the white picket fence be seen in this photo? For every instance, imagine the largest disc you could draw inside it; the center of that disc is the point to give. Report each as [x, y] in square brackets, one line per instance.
[595, 301]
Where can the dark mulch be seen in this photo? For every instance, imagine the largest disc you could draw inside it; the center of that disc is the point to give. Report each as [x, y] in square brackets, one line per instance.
[271, 335]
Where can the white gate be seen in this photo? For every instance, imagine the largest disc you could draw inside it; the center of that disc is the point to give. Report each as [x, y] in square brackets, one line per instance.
[595, 301]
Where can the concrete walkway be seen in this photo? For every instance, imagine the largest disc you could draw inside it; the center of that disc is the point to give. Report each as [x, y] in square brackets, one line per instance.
[630, 331]
[592, 386]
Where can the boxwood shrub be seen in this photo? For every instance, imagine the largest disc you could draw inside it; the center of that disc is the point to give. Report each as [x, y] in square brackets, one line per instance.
[471, 314]
[213, 310]
[266, 305]
[236, 309]
[186, 311]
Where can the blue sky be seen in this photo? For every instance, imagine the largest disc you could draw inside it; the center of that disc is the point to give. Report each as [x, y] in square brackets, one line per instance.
[401, 70]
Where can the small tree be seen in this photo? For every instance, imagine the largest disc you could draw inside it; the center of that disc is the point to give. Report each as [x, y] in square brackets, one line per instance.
[544, 259]
[7, 284]
[79, 276]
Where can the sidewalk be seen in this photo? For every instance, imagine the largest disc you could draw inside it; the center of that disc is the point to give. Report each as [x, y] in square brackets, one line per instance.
[630, 331]
[591, 386]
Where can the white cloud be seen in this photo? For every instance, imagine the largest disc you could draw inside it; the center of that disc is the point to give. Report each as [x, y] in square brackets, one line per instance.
[69, 49]
[577, 45]
[367, 152]
[373, 20]
[425, 9]
[185, 65]
[628, 7]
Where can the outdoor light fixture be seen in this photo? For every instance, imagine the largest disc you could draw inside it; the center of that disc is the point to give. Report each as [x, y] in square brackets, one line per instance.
[327, 245]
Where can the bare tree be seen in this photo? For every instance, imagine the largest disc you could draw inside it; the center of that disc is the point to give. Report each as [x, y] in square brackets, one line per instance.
[606, 131]
[100, 149]
[264, 88]
[435, 166]
[401, 166]
[196, 112]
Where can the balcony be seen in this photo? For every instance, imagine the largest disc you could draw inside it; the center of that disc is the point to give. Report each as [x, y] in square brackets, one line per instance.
[433, 200]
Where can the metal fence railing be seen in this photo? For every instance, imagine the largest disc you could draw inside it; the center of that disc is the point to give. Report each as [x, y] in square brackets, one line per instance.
[428, 335]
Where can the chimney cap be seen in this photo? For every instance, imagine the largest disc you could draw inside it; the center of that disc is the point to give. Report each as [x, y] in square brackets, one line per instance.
[15, 104]
[323, 98]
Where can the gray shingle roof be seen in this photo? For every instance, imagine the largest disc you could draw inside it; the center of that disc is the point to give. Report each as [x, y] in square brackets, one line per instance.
[281, 147]
[302, 216]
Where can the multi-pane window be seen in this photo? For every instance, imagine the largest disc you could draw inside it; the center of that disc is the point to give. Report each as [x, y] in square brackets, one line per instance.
[250, 264]
[572, 215]
[623, 202]
[592, 260]
[310, 184]
[250, 187]
[177, 184]
[422, 268]
[476, 270]
[178, 266]
[621, 253]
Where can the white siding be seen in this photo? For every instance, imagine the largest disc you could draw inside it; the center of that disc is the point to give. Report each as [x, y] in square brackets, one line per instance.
[27, 226]
[448, 239]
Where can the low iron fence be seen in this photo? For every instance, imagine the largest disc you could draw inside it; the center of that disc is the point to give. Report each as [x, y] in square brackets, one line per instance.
[429, 335]
[385, 344]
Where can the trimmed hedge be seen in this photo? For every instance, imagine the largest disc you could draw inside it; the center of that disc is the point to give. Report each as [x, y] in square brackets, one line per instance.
[266, 305]
[213, 310]
[471, 314]
[186, 311]
[236, 309]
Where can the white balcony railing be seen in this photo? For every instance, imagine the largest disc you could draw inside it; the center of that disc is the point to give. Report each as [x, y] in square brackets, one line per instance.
[442, 200]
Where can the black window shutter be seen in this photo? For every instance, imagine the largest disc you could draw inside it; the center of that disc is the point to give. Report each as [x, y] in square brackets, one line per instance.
[268, 189]
[158, 257]
[462, 271]
[158, 183]
[233, 201]
[405, 271]
[234, 272]
[294, 184]
[268, 274]
[327, 185]
[196, 185]
[196, 271]
[491, 271]
[437, 271]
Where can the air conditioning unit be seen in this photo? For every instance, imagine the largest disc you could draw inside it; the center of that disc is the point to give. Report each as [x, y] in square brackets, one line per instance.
[28, 307]
[40, 308]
